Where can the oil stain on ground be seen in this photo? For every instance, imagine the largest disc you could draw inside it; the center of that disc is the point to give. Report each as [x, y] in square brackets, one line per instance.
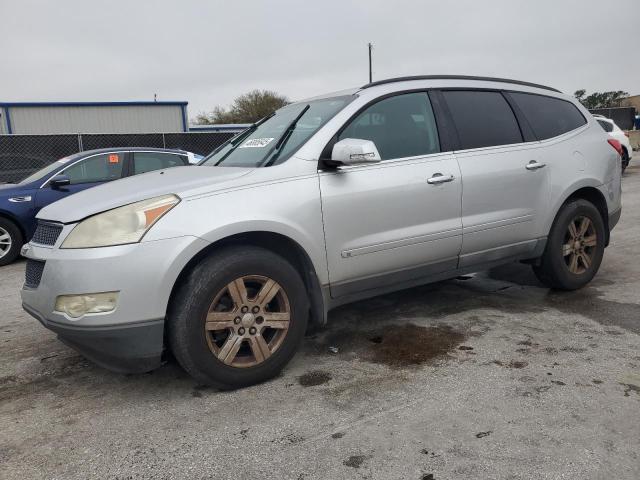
[355, 461]
[398, 346]
[407, 345]
[313, 378]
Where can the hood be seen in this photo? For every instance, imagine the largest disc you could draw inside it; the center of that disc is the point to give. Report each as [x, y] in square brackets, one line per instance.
[183, 181]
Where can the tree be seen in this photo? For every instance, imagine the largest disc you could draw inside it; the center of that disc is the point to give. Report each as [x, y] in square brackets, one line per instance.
[247, 108]
[601, 99]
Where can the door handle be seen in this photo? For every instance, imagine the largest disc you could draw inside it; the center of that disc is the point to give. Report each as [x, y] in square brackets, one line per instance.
[535, 165]
[439, 178]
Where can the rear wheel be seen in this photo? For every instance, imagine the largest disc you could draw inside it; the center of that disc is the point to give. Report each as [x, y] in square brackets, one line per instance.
[239, 318]
[575, 247]
[625, 159]
[11, 241]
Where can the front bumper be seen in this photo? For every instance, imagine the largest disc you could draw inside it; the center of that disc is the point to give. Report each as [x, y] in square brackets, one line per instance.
[129, 338]
[134, 348]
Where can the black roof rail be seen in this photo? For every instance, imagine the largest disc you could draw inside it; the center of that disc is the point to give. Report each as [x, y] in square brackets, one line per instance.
[457, 77]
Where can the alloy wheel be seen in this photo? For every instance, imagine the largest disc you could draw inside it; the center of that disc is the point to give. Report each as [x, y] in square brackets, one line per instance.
[579, 246]
[247, 321]
[5, 242]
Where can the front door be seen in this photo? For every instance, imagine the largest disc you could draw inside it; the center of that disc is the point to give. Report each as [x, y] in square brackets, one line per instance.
[84, 174]
[397, 221]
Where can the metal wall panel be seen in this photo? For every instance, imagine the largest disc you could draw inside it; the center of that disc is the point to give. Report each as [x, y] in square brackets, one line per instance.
[96, 119]
[3, 121]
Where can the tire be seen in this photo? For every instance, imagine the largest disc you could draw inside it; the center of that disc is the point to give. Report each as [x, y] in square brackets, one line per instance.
[557, 270]
[625, 159]
[205, 354]
[11, 241]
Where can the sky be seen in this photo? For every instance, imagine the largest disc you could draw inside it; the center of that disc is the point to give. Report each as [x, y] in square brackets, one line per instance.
[209, 52]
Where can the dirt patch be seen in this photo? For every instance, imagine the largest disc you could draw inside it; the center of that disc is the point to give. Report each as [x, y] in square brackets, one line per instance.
[314, 378]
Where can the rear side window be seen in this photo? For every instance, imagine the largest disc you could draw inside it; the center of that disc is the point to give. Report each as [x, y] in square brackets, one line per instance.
[548, 117]
[482, 119]
[606, 126]
[149, 161]
[400, 126]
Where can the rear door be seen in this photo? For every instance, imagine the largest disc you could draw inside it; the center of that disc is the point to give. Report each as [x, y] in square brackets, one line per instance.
[86, 173]
[386, 223]
[505, 182]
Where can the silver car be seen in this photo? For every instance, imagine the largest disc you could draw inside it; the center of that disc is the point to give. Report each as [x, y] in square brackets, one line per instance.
[329, 200]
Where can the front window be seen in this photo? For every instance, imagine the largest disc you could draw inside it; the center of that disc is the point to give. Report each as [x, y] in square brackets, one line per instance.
[99, 168]
[279, 136]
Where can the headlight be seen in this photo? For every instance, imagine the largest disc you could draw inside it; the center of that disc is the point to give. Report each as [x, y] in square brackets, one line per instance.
[121, 225]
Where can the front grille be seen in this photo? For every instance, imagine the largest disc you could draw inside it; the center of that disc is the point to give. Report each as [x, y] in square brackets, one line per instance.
[33, 273]
[47, 233]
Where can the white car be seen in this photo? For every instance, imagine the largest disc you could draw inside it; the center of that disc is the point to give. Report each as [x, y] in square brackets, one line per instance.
[616, 132]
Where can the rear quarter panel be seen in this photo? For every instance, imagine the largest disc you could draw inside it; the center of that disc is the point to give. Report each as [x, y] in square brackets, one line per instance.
[581, 159]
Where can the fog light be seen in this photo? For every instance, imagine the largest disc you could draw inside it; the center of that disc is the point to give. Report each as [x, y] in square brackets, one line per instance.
[78, 305]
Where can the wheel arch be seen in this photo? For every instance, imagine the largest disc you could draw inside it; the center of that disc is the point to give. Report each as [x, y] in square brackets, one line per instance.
[13, 219]
[592, 194]
[279, 244]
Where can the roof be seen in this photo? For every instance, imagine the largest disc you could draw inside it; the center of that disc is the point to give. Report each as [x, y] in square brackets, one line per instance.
[92, 104]
[84, 153]
[458, 77]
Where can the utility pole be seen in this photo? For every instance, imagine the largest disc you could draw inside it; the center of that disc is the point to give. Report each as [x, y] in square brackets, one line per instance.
[370, 71]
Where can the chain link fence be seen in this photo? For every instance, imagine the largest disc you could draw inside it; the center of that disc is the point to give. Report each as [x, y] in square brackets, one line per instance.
[21, 155]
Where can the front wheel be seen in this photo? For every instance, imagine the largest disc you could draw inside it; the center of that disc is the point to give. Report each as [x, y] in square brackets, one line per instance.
[239, 317]
[10, 241]
[575, 247]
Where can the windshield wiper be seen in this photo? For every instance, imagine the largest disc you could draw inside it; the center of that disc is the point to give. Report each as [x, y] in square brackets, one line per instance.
[238, 138]
[275, 152]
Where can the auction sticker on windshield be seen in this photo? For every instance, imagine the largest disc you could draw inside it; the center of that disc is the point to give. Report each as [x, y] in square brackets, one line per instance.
[256, 143]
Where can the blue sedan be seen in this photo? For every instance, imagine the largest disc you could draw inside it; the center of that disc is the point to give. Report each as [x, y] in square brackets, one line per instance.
[20, 202]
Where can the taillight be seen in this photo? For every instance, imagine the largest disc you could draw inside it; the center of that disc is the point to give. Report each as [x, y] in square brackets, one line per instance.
[616, 145]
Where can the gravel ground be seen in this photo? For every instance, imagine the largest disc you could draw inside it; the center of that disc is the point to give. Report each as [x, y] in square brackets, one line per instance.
[486, 376]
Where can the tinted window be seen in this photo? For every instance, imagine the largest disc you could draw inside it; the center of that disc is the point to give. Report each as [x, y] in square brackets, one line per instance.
[606, 126]
[100, 168]
[149, 161]
[482, 119]
[548, 117]
[400, 126]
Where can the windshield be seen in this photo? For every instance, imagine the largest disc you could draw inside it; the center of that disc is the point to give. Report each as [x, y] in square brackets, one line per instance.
[279, 136]
[43, 172]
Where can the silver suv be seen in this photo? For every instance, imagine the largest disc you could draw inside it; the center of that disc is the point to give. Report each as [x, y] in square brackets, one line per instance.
[329, 200]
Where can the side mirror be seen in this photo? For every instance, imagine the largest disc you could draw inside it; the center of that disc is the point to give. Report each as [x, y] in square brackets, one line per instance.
[355, 151]
[59, 181]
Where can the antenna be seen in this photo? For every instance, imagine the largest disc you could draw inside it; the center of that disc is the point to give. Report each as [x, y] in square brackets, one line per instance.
[370, 45]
